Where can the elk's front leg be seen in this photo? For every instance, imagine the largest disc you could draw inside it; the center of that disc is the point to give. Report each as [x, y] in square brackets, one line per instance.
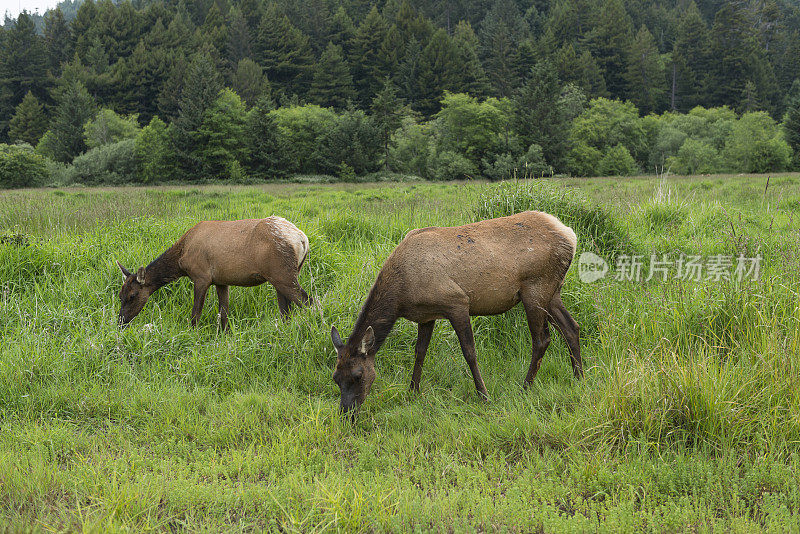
[463, 328]
[423, 340]
[200, 290]
[222, 298]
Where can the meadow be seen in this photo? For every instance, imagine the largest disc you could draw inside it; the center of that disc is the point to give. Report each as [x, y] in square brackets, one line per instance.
[688, 418]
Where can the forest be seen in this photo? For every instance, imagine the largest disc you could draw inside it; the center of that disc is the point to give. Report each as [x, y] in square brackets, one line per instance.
[248, 90]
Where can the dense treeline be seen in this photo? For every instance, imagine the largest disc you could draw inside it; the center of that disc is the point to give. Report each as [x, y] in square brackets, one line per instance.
[153, 91]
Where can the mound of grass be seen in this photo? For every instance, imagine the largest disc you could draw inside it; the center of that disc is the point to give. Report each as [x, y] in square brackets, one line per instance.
[596, 229]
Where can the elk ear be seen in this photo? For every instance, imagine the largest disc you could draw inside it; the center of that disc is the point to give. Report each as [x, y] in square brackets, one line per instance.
[368, 340]
[125, 271]
[337, 341]
[140, 275]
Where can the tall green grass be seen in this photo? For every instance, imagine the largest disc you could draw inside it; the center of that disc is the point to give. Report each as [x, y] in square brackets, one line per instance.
[689, 417]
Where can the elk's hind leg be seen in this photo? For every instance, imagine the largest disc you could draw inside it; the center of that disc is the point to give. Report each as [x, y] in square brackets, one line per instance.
[569, 329]
[290, 294]
[540, 333]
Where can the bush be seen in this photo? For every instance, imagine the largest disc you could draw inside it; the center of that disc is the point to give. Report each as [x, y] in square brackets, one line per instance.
[410, 148]
[502, 168]
[107, 127]
[695, 157]
[155, 157]
[354, 140]
[20, 166]
[756, 144]
[608, 123]
[618, 162]
[109, 164]
[532, 162]
[583, 160]
[301, 127]
[447, 165]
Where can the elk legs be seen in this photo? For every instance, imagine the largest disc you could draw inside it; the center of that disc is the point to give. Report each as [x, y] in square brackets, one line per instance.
[463, 328]
[424, 332]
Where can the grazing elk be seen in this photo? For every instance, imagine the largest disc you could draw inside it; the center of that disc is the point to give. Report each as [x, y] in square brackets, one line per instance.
[224, 253]
[483, 268]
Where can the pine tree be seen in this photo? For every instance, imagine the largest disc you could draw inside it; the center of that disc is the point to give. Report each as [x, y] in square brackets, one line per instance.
[215, 30]
[250, 82]
[57, 39]
[333, 84]
[387, 112]
[691, 59]
[731, 46]
[75, 107]
[341, 31]
[200, 91]
[645, 73]
[791, 123]
[266, 148]
[501, 32]
[608, 41]
[473, 78]
[221, 135]
[439, 70]
[283, 51]
[239, 41]
[538, 118]
[29, 121]
[365, 57]
[23, 66]
[750, 101]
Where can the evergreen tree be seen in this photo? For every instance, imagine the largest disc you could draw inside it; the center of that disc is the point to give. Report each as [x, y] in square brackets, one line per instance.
[29, 121]
[283, 51]
[750, 101]
[582, 70]
[609, 40]
[250, 82]
[731, 46]
[239, 41]
[215, 30]
[199, 93]
[791, 125]
[473, 78]
[439, 70]
[538, 118]
[266, 147]
[690, 56]
[342, 31]
[387, 112]
[221, 135]
[57, 40]
[23, 66]
[169, 96]
[75, 107]
[501, 32]
[645, 73]
[333, 84]
[365, 57]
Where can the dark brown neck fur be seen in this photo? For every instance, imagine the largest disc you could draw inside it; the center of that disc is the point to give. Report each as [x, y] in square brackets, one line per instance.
[380, 311]
[165, 268]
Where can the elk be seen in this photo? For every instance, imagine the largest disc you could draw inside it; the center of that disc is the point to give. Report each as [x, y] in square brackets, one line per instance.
[224, 253]
[483, 268]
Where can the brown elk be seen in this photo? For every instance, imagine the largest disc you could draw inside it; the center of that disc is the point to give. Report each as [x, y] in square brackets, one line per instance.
[483, 268]
[224, 253]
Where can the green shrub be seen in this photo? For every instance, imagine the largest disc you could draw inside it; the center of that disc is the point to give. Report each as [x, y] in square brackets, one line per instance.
[756, 144]
[107, 127]
[301, 127]
[155, 157]
[695, 157]
[353, 139]
[617, 161]
[20, 166]
[596, 229]
[532, 162]
[108, 164]
[410, 148]
[583, 160]
[447, 165]
[502, 167]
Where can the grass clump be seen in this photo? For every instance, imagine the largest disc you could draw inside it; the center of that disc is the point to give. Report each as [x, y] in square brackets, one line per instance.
[596, 229]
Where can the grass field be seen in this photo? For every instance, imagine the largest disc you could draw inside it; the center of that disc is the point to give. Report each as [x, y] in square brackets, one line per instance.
[689, 417]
